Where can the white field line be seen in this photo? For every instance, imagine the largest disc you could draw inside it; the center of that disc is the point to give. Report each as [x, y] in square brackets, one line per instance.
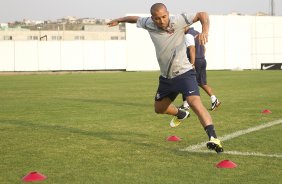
[197, 147]
[238, 153]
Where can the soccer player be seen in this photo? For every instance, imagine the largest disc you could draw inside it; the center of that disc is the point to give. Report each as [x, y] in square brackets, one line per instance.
[191, 54]
[177, 74]
[200, 67]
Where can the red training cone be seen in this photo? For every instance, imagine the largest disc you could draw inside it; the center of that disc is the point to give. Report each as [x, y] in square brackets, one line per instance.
[34, 176]
[173, 138]
[226, 164]
[266, 111]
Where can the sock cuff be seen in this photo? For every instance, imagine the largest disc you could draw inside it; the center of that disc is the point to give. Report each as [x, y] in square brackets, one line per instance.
[209, 126]
[213, 98]
[181, 114]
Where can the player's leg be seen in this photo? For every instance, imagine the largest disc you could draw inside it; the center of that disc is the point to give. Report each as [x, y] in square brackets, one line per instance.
[206, 121]
[214, 101]
[165, 95]
[207, 89]
[185, 104]
[199, 109]
[191, 92]
[165, 106]
[201, 66]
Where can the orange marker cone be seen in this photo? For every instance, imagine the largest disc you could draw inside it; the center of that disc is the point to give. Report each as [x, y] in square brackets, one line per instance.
[173, 138]
[226, 164]
[266, 111]
[33, 176]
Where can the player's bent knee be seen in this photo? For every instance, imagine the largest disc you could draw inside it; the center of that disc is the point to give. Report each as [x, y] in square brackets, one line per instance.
[194, 101]
[159, 111]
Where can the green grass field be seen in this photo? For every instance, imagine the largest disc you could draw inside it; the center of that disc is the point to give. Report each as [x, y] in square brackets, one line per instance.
[100, 128]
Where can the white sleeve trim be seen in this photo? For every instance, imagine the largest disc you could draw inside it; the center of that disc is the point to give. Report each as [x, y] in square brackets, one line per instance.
[189, 40]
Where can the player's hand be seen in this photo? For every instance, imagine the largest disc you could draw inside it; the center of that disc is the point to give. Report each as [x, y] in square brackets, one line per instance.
[203, 38]
[113, 23]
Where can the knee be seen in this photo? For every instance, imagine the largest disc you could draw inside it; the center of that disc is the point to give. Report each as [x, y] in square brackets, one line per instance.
[158, 111]
[161, 107]
[194, 100]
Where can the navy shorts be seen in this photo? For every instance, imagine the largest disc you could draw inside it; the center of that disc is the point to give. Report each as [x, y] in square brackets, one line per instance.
[200, 67]
[186, 84]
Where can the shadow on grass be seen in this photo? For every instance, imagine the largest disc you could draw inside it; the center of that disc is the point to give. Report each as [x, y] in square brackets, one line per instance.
[125, 137]
[119, 136]
[110, 102]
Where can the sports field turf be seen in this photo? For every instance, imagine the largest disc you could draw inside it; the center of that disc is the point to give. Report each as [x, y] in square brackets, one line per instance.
[101, 128]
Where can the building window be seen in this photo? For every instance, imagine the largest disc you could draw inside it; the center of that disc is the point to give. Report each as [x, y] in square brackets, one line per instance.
[79, 37]
[56, 37]
[114, 37]
[32, 37]
[7, 38]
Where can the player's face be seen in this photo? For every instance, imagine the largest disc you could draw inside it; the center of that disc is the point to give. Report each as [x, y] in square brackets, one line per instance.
[161, 18]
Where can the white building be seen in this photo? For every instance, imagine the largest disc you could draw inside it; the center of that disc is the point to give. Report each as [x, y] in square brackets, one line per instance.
[235, 42]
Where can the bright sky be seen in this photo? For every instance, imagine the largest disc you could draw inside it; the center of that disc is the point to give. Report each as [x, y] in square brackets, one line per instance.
[12, 10]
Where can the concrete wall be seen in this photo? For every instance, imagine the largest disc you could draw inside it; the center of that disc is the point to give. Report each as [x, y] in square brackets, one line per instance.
[235, 42]
[62, 55]
[27, 35]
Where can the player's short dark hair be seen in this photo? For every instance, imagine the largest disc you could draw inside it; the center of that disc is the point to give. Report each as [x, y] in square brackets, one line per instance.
[156, 7]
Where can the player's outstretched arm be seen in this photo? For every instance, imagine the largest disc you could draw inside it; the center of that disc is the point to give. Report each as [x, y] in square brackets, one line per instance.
[127, 19]
[203, 17]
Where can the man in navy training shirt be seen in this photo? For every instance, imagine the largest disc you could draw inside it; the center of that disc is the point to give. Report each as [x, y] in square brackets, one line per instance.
[200, 65]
